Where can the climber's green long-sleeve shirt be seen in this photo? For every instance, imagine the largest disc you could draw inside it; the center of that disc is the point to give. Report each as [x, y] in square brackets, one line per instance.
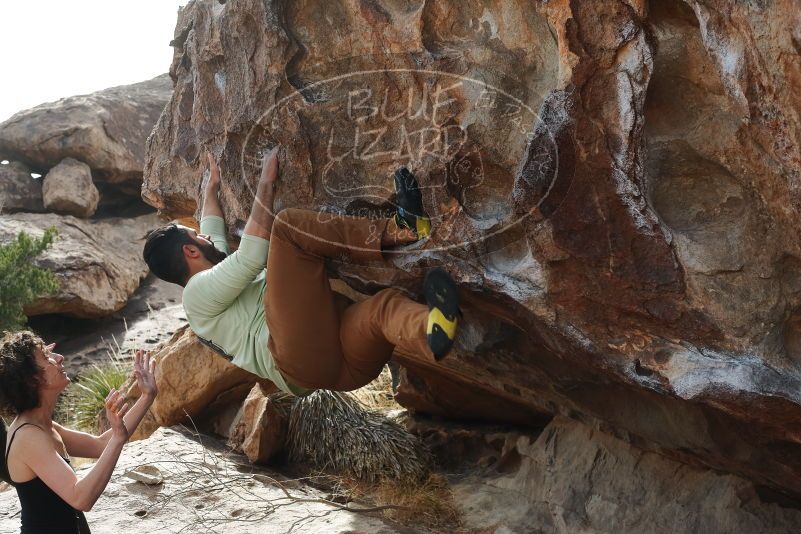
[224, 304]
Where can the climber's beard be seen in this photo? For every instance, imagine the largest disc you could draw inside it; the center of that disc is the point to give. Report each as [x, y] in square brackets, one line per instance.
[212, 253]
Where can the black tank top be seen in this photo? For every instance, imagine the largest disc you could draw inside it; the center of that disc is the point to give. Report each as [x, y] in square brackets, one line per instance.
[43, 511]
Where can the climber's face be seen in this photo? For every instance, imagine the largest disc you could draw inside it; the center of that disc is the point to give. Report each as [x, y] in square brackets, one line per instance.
[204, 244]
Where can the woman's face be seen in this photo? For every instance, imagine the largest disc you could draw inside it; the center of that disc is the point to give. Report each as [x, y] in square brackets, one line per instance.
[50, 362]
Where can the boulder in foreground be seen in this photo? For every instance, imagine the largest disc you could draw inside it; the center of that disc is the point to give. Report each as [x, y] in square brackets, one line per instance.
[260, 430]
[191, 377]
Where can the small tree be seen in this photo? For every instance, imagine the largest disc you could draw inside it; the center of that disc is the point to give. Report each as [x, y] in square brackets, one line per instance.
[21, 282]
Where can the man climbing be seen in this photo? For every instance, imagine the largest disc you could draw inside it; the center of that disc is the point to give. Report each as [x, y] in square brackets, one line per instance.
[283, 324]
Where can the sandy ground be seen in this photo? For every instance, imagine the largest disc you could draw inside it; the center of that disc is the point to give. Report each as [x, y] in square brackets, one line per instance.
[205, 489]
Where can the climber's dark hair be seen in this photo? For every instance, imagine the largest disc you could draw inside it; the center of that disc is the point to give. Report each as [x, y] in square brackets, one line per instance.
[163, 255]
[19, 380]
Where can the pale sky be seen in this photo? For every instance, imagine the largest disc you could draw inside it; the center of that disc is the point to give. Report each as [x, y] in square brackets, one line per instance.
[50, 49]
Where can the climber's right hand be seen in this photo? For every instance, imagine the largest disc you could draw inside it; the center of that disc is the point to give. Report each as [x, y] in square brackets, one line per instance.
[269, 166]
[214, 173]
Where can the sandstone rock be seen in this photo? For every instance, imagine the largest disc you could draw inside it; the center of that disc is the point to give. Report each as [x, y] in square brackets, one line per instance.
[574, 478]
[68, 189]
[18, 190]
[261, 427]
[615, 186]
[106, 130]
[204, 489]
[147, 426]
[190, 377]
[223, 414]
[98, 263]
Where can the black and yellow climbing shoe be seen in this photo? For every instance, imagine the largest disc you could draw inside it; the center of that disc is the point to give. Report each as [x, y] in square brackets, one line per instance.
[442, 297]
[411, 213]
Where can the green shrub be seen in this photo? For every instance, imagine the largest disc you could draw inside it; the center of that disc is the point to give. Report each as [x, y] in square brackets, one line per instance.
[82, 404]
[21, 282]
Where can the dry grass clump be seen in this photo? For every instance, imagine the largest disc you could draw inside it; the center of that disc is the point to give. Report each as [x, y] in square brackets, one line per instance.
[333, 432]
[428, 503]
[366, 457]
[377, 395]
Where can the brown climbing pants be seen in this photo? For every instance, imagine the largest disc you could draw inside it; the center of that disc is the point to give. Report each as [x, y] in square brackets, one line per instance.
[316, 344]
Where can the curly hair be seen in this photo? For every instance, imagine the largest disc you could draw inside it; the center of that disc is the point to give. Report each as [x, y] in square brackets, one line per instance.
[19, 373]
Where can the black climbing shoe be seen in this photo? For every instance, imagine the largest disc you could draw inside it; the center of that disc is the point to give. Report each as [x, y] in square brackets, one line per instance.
[442, 297]
[411, 213]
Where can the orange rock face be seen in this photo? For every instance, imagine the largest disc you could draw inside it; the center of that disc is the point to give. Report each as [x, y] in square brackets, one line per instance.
[190, 377]
[260, 427]
[615, 186]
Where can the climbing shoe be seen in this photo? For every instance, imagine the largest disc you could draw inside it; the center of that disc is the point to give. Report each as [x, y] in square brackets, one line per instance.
[411, 213]
[442, 297]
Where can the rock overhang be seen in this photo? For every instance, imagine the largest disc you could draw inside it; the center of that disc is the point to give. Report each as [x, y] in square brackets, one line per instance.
[612, 252]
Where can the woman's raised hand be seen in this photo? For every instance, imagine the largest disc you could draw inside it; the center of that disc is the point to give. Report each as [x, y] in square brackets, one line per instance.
[115, 410]
[144, 371]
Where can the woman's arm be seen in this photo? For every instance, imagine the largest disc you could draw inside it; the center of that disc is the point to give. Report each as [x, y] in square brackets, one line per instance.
[87, 446]
[39, 455]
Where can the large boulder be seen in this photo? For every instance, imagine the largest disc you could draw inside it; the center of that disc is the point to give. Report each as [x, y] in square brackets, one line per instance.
[98, 263]
[19, 191]
[615, 186]
[106, 130]
[191, 377]
[68, 189]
